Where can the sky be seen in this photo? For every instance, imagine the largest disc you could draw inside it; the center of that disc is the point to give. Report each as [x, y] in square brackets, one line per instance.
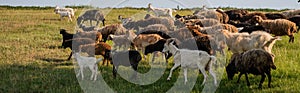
[272, 4]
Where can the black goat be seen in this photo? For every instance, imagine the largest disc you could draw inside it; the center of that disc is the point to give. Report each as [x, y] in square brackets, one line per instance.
[158, 46]
[125, 58]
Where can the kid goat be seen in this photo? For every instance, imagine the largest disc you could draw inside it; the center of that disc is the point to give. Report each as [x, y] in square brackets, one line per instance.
[191, 59]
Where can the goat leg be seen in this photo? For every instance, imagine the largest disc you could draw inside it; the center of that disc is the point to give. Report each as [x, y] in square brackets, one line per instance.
[269, 77]
[239, 77]
[114, 71]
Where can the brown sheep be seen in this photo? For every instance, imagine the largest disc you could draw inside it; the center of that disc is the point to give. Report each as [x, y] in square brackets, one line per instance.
[100, 48]
[278, 27]
[116, 29]
[255, 61]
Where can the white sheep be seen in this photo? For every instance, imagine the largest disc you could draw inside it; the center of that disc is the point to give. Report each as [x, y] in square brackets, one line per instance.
[241, 42]
[90, 62]
[191, 59]
[161, 11]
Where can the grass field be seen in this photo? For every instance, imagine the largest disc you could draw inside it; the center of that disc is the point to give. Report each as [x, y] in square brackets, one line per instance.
[31, 60]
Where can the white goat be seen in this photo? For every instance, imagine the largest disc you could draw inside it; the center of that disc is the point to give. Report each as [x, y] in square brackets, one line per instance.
[191, 59]
[160, 11]
[72, 12]
[90, 62]
[64, 14]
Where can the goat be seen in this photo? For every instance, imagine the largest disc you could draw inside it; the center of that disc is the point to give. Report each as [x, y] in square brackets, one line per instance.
[160, 11]
[123, 40]
[143, 40]
[191, 59]
[90, 62]
[64, 14]
[136, 25]
[255, 61]
[70, 10]
[125, 58]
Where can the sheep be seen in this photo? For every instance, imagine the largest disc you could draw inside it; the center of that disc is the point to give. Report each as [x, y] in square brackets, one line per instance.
[250, 29]
[147, 16]
[116, 29]
[161, 11]
[90, 62]
[275, 16]
[125, 58]
[123, 40]
[212, 14]
[91, 15]
[241, 42]
[143, 40]
[157, 27]
[291, 13]
[70, 10]
[169, 23]
[239, 24]
[158, 32]
[255, 61]
[203, 22]
[181, 34]
[198, 43]
[191, 59]
[249, 16]
[95, 35]
[296, 20]
[278, 27]
[236, 14]
[64, 14]
[100, 48]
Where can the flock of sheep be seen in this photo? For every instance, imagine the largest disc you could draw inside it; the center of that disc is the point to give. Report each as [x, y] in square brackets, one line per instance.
[194, 40]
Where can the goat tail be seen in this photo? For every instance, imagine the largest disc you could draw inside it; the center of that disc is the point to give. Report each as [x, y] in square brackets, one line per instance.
[271, 41]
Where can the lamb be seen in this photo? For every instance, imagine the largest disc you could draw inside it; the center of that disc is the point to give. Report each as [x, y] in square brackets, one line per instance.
[278, 27]
[90, 62]
[191, 59]
[91, 15]
[125, 58]
[116, 29]
[241, 42]
[100, 48]
[296, 20]
[255, 61]
[161, 11]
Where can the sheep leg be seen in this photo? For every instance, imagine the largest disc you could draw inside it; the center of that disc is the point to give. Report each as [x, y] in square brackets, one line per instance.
[185, 75]
[248, 83]
[238, 81]
[263, 76]
[291, 40]
[171, 71]
[270, 79]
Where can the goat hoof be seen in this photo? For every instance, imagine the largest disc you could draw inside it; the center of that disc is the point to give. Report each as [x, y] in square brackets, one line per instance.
[168, 79]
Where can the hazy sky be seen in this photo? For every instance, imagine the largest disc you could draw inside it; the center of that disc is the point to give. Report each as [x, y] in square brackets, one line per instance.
[273, 4]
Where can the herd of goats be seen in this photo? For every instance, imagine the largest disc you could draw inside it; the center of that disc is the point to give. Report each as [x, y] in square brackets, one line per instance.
[194, 41]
